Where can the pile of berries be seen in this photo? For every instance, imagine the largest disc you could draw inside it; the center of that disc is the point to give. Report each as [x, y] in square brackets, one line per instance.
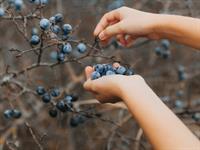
[164, 49]
[12, 113]
[61, 102]
[108, 69]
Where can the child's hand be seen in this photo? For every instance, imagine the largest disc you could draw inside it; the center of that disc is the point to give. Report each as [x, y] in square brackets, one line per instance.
[110, 89]
[127, 25]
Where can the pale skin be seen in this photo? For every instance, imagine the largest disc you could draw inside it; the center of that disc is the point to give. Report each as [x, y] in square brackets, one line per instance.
[162, 127]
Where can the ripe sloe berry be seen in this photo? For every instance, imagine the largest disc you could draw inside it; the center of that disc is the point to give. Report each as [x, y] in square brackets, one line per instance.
[67, 48]
[121, 70]
[35, 40]
[2, 12]
[40, 90]
[67, 28]
[81, 48]
[46, 98]
[53, 113]
[95, 75]
[55, 92]
[16, 114]
[44, 24]
[8, 113]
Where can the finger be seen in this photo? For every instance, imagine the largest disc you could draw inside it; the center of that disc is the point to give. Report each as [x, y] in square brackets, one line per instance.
[88, 71]
[116, 65]
[111, 31]
[121, 39]
[112, 16]
[129, 40]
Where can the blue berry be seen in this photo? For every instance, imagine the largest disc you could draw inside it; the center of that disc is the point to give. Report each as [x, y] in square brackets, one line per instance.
[95, 75]
[46, 98]
[196, 116]
[52, 20]
[58, 17]
[129, 72]
[55, 92]
[35, 40]
[16, 114]
[61, 57]
[8, 114]
[53, 113]
[55, 29]
[76, 120]
[99, 68]
[121, 70]
[2, 12]
[18, 4]
[81, 48]
[67, 48]
[67, 28]
[40, 90]
[181, 73]
[109, 72]
[165, 54]
[165, 44]
[158, 51]
[179, 104]
[68, 99]
[44, 24]
[62, 106]
[34, 31]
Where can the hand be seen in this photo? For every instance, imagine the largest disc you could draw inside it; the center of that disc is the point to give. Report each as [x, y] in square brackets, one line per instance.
[110, 89]
[126, 25]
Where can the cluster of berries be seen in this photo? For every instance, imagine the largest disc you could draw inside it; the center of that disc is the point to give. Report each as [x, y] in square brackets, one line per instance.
[59, 30]
[181, 73]
[64, 104]
[108, 69]
[12, 113]
[163, 50]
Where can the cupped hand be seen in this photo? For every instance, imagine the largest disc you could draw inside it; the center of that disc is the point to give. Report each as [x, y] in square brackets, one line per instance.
[109, 89]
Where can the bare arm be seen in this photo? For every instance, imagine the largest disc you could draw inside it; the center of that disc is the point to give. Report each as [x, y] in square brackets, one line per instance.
[128, 24]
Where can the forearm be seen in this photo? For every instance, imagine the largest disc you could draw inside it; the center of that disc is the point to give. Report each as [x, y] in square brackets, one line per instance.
[185, 30]
[162, 127]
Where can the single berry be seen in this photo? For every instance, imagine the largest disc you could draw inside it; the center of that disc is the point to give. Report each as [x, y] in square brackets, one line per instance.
[40, 90]
[54, 55]
[196, 116]
[55, 92]
[165, 54]
[34, 31]
[18, 4]
[58, 17]
[99, 68]
[81, 48]
[129, 72]
[68, 99]
[61, 57]
[2, 12]
[35, 40]
[75, 121]
[53, 113]
[121, 70]
[67, 28]
[95, 75]
[165, 44]
[16, 114]
[67, 48]
[179, 104]
[55, 29]
[109, 72]
[52, 20]
[158, 51]
[8, 113]
[44, 24]
[61, 105]
[46, 98]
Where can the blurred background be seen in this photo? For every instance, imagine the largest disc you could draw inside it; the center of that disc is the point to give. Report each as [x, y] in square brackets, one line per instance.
[174, 75]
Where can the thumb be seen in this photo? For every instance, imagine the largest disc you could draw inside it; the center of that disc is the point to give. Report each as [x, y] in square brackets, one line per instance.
[111, 31]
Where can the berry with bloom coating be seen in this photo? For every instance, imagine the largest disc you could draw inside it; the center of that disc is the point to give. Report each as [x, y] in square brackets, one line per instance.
[58, 17]
[55, 92]
[121, 70]
[56, 29]
[67, 48]
[81, 48]
[61, 57]
[44, 24]
[35, 40]
[95, 75]
[2, 12]
[46, 98]
[16, 114]
[40, 90]
[53, 113]
[18, 4]
[110, 72]
[34, 31]
[67, 28]
[8, 113]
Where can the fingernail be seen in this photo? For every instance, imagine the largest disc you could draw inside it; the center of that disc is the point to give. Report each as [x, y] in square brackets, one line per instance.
[102, 36]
